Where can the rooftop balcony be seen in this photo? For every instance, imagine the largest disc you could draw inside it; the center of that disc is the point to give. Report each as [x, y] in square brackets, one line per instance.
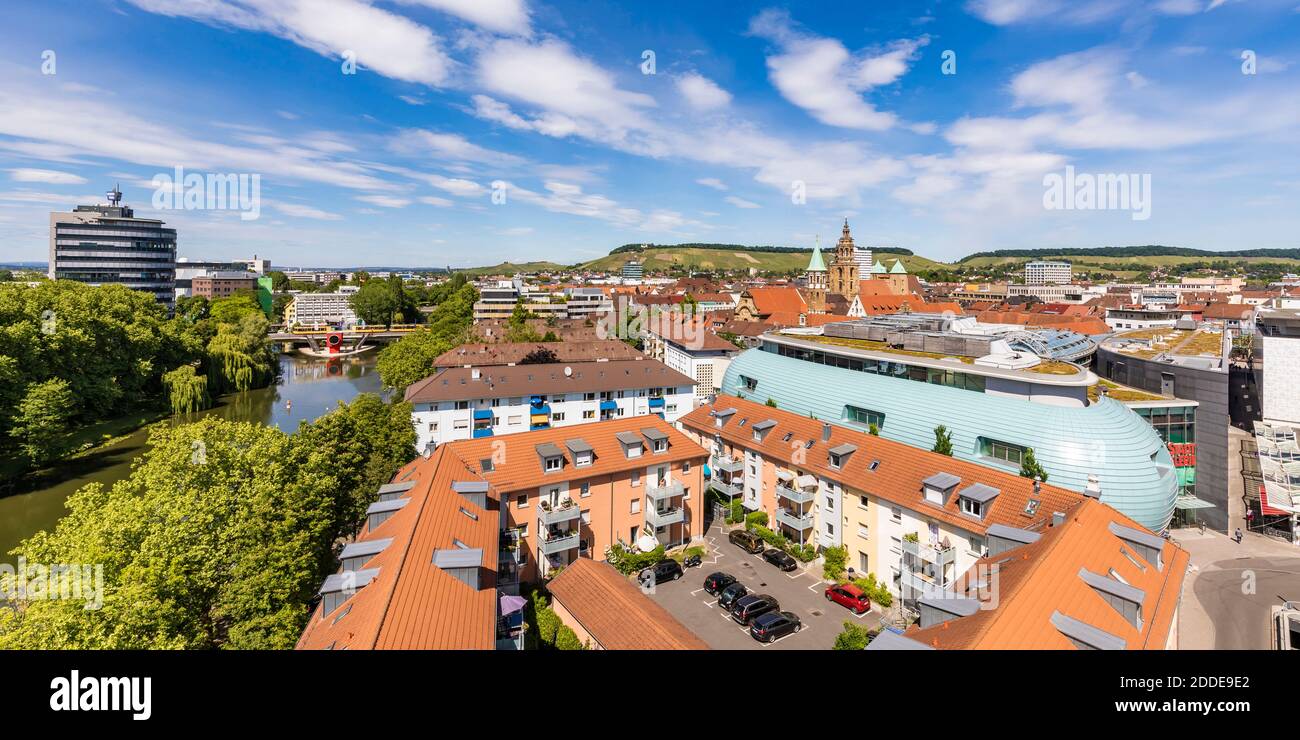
[657, 494]
[663, 517]
[726, 489]
[794, 520]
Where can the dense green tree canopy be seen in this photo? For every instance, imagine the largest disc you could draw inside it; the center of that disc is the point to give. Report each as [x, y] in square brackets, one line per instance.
[411, 358]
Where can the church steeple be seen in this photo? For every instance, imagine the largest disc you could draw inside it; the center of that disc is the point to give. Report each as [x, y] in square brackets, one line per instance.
[815, 281]
[844, 268]
[816, 264]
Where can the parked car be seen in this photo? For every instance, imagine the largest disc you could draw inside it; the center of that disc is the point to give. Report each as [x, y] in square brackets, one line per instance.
[781, 559]
[774, 625]
[748, 607]
[715, 582]
[728, 597]
[747, 541]
[661, 572]
[850, 596]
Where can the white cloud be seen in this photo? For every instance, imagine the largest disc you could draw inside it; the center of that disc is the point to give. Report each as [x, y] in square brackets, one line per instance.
[50, 177]
[740, 202]
[503, 16]
[712, 182]
[701, 92]
[384, 201]
[821, 76]
[304, 211]
[434, 200]
[516, 231]
[1076, 12]
[453, 147]
[388, 43]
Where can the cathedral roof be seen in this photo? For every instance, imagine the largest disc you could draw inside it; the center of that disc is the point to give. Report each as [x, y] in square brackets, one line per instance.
[816, 264]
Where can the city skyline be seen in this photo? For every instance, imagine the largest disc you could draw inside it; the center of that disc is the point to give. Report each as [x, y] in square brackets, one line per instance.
[748, 106]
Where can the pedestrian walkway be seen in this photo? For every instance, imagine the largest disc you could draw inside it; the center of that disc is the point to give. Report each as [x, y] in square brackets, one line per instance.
[1230, 587]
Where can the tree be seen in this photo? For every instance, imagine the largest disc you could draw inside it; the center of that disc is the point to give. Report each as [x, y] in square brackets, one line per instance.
[411, 358]
[376, 303]
[540, 356]
[6, 276]
[187, 391]
[42, 419]
[942, 441]
[853, 637]
[279, 281]
[1029, 467]
[220, 536]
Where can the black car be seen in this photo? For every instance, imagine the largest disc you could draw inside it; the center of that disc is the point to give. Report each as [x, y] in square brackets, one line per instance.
[661, 572]
[731, 594]
[715, 582]
[747, 541]
[780, 558]
[774, 625]
[748, 607]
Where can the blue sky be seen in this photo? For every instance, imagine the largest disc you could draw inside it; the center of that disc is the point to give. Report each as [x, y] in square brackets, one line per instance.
[747, 104]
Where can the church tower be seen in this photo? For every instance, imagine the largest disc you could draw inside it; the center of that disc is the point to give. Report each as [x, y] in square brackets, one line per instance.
[815, 275]
[844, 267]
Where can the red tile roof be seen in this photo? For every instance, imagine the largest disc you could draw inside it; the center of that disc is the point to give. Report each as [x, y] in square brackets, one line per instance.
[615, 612]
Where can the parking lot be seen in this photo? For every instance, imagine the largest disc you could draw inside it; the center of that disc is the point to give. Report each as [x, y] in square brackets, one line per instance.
[800, 591]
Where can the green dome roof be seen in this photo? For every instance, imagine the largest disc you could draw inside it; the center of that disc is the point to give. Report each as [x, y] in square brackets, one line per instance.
[898, 268]
[816, 264]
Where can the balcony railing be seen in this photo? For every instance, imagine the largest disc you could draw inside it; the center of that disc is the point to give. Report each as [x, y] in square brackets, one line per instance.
[938, 555]
[794, 494]
[794, 520]
[665, 492]
[662, 518]
[728, 464]
[565, 512]
[724, 488]
[556, 543]
[753, 504]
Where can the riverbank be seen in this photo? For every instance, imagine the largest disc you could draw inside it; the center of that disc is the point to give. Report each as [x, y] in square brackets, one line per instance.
[80, 442]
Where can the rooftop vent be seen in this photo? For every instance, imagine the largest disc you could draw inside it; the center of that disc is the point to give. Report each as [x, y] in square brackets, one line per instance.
[826, 432]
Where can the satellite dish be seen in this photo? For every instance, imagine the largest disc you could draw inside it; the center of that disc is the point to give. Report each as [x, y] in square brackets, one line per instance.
[646, 543]
[568, 371]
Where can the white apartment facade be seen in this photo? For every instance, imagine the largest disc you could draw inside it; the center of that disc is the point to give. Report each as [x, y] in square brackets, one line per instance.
[320, 309]
[1041, 272]
[465, 403]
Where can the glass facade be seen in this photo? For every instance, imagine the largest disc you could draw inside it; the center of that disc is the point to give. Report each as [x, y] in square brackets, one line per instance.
[1176, 425]
[950, 378]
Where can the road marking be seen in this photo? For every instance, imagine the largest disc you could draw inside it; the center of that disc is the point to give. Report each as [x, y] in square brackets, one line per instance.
[696, 591]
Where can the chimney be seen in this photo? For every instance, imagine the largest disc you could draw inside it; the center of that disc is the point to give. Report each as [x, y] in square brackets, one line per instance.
[1058, 518]
[1038, 486]
[1093, 490]
[826, 432]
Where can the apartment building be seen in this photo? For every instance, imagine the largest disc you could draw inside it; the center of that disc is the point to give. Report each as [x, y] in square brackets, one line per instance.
[914, 518]
[222, 284]
[1041, 272]
[687, 345]
[473, 402]
[323, 309]
[483, 355]
[1092, 579]
[570, 493]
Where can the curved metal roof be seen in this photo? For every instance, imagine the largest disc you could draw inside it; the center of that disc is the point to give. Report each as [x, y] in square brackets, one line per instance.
[1105, 439]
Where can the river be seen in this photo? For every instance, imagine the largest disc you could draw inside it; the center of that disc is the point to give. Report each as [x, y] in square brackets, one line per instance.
[314, 387]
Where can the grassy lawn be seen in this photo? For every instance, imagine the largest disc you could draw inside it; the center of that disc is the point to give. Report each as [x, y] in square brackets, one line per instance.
[1120, 392]
[867, 344]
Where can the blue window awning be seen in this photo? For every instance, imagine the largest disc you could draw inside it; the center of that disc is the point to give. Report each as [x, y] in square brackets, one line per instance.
[608, 405]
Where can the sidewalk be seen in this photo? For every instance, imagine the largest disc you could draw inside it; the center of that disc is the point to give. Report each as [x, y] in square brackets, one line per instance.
[1229, 588]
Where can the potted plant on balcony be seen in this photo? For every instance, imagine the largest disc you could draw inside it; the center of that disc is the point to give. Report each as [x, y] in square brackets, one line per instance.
[912, 537]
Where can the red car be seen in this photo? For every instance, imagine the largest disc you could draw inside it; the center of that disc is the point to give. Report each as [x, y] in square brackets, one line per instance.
[850, 596]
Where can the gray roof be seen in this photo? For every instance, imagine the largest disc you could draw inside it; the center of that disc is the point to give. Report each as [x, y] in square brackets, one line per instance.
[501, 381]
[469, 486]
[654, 434]
[887, 640]
[405, 485]
[348, 580]
[764, 425]
[955, 605]
[942, 481]
[549, 449]
[1086, 633]
[1002, 531]
[1112, 586]
[724, 413]
[577, 445]
[392, 504]
[979, 492]
[843, 449]
[628, 438]
[458, 558]
[368, 547]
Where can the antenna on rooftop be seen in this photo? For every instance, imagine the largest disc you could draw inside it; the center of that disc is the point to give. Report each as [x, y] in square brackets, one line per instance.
[114, 195]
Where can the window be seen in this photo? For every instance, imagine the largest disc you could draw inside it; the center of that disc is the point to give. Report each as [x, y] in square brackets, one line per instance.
[486, 465]
[686, 467]
[835, 461]
[496, 402]
[972, 507]
[521, 502]
[671, 407]
[462, 405]
[1004, 451]
[557, 416]
[830, 503]
[865, 417]
[636, 477]
[660, 445]
[582, 459]
[553, 463]
[864, 532]
[863, 502]
[584, 490]
[830, 529]
[750, 383]
[589, 396]
[895, 515]
[460, 424]
[586, 516]
[636, 509]
[433, 426]
[516, 419]
[976, 546]
[588, 414]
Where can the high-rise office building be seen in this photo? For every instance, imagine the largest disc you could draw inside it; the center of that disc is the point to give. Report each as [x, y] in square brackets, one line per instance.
[106, 244]
[1048, 273]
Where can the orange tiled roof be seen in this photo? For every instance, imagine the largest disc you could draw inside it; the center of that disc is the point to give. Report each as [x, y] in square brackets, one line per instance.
[412, 603]
[517, 465]
[615, 612]
[1041, 578]
[1233, 311]
[897, 478]
[778, 300]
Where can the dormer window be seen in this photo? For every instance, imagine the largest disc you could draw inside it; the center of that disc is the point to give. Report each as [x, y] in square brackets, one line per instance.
[631, 444]
[762, 428]
[972, 508]
[937, 487]
[554, 463]
[552, 457]
[838, 455]
[583, 455]
[657, 438]
[974, 499]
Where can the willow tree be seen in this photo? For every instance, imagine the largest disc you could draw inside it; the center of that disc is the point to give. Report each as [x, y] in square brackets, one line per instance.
[186, 390]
